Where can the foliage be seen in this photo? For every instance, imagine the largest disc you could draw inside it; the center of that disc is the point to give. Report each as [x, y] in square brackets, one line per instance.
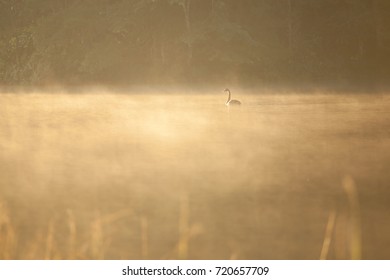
[182, 41]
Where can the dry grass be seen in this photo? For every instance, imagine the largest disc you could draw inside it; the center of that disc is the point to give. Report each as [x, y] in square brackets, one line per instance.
[328, 235]
[46, 245]
[351, 231]
[7, 234]
[355, 230]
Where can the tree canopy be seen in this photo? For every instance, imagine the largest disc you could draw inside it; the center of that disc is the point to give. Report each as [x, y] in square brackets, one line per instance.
[135, 42]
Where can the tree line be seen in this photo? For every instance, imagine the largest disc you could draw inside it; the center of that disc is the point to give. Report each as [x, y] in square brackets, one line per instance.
[190, 42]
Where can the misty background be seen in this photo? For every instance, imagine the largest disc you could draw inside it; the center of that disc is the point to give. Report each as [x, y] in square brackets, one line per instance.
[325, 43]
[167, 171]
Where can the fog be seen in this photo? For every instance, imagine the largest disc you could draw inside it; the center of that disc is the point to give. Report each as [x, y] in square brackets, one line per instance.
[182, 176]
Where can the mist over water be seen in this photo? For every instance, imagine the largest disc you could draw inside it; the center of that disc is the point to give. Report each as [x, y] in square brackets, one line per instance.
[168, 176]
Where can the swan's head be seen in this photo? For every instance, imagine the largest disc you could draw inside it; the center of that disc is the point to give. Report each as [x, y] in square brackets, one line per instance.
[226, 90]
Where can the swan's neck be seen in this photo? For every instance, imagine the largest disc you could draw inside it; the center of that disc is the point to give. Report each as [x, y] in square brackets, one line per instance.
[229, 97]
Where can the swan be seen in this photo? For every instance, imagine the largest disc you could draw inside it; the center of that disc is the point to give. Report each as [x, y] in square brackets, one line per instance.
[230, 101]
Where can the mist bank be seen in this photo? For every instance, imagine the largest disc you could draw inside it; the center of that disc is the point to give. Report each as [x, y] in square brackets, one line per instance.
[201, 90]
[118, 44]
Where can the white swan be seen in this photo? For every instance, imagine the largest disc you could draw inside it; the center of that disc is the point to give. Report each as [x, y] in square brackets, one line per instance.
[230, 101]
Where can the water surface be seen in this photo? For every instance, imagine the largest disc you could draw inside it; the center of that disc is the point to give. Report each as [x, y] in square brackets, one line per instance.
[168, 176]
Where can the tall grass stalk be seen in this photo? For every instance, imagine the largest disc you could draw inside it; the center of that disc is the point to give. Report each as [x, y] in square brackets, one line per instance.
[8, 239]
[144, 238]
[72, 253]
[184, 231]
[355, 224]
[49, 252]
[328, 235]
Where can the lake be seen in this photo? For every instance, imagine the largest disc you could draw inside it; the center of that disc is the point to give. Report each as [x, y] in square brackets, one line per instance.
[163, 175]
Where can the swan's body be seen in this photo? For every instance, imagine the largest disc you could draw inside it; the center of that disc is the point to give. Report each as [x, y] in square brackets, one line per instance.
[230, 101]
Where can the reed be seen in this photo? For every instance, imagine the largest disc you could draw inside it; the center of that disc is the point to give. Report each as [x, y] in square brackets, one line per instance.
[328, 235]
[345, 226]
[355, 234]
[144, 238]
[184, 232]
[8, 240]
